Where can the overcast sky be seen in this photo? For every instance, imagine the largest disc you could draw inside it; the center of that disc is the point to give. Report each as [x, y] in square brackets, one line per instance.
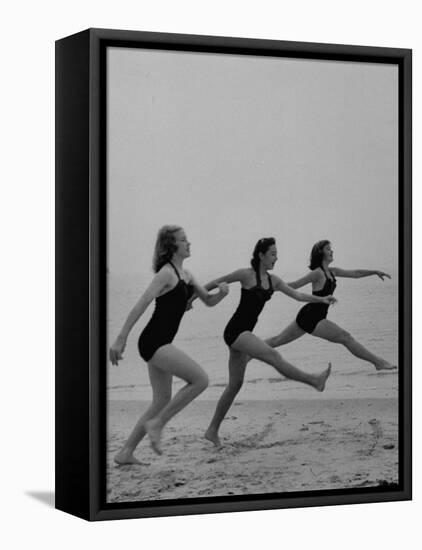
[235, 148]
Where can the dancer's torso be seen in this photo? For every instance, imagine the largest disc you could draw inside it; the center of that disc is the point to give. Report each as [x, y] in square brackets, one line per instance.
[164, 323]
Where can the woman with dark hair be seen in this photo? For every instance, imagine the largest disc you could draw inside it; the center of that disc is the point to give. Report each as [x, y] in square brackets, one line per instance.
[171, 287]
[312, 319]
[257, 288]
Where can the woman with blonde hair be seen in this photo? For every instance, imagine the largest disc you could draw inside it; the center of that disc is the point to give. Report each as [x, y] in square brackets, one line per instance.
[171, 287]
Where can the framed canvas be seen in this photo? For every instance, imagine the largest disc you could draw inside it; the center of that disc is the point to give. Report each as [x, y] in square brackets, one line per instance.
[271, 181]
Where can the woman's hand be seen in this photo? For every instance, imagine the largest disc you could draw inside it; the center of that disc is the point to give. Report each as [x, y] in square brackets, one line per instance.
[330, 300]
[117, 349]
[204, 294]
[381, 275]
[214, 299]
[223, 288]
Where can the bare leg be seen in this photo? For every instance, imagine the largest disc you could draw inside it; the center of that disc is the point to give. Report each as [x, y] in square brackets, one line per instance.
[171, 360]
[255, 347]
[290, 333]
[161, 395]
[330, 331]
[237, 367]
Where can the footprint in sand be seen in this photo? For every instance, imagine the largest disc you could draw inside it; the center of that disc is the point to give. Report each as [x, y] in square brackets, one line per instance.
[252, 441]
[334, 479]
[271, 445]
[179, 483]
[376, 432]
[129, 467]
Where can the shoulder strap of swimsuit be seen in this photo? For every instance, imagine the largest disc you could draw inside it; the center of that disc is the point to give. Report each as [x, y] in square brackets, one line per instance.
[326, 275]
[177, 273]
[258, 278]
[270, 282]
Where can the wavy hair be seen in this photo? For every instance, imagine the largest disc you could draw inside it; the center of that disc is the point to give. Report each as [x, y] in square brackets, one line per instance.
[261, 247]
[317, 254]
[165, 246]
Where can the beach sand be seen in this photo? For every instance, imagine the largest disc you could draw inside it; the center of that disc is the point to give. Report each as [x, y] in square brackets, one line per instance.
[269, 447]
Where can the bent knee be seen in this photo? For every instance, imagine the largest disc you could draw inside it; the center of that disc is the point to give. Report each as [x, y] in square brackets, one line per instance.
[202, 381]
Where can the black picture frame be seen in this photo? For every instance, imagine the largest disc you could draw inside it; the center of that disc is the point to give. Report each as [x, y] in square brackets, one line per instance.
[81, 272]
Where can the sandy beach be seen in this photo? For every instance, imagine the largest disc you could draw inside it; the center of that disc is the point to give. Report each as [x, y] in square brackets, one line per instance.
[268, 446]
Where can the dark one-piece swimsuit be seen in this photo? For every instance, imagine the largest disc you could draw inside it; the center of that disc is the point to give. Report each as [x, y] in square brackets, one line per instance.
[164, 323]
[252, 301]
[311, 314]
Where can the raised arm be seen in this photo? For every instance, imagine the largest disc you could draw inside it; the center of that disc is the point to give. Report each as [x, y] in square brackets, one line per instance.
[160, 281]
[301, 296]
[310, 277]
[232, 277]
[206, 297]
[358, 273]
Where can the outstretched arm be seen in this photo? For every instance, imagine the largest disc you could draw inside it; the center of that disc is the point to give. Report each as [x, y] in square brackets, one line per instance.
[232, 277]
[159, 282]
[301, 296]
[358, 273]
[208, 298]
[310, 277]
[215, 283]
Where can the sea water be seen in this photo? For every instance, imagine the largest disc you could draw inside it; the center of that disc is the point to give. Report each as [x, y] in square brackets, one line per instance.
[367, 308]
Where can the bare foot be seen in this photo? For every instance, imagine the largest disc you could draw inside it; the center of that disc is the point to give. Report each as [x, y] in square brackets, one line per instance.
[212, 436]
[385, 365]
[154, 429]
[126, 457]
[321, 379]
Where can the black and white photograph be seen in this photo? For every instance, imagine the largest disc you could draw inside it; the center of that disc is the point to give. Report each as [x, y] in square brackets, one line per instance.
[210, 237]
[253, 275]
